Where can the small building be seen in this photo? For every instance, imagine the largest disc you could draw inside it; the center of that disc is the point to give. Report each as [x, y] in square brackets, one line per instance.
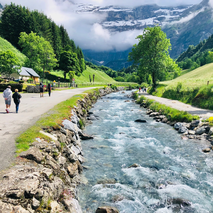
[26, 73]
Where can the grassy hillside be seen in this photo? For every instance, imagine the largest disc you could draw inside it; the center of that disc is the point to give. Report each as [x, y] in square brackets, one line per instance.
[195, 78]
[5, 45]
[100, 77]
[190, 88]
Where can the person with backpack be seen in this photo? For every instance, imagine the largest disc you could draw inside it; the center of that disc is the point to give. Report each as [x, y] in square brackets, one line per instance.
[16, 98]
[41, 86]
[7, 95]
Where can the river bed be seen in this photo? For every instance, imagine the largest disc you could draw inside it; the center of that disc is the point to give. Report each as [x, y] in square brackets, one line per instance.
[173, 175]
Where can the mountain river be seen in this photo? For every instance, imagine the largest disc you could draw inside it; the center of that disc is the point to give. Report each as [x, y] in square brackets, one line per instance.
[173, 175]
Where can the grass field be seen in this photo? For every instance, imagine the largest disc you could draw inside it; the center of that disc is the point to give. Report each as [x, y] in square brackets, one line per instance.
[196, 78]
[5, 45]
[100, 77]
[195, 87]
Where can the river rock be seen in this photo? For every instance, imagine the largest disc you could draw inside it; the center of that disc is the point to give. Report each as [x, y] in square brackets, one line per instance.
[153, 114]
[107, 209]
[107, 181]
[72, 205]
[74, 117]
[149, 111]
[35, 203]
[140, 121]
[194, 123]
[178, 125]
[85, 136]
[206, 150]
[135, 165]
[179, 201]
[200, 130]
[182, 129]
[117, 198]
[191, 132]
[165, 120]
[210, 131]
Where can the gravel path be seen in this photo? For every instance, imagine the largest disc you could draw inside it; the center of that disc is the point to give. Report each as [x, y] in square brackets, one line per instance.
[31, 109]
[203, 113]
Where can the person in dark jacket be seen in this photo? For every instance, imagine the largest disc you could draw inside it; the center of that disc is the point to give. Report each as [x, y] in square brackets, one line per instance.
[41, 87]
[49, 89]
[16, 97]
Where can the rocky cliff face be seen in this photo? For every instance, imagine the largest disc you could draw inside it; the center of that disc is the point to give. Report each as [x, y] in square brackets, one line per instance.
[45, 177]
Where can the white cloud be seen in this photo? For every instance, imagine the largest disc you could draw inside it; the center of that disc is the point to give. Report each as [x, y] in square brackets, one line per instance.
[211, 3]
[84, 28]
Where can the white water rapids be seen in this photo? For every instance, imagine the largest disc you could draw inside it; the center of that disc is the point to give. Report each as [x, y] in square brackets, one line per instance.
[174, 175]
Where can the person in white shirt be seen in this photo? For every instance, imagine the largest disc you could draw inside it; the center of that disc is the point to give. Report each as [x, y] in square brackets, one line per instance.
[7, 94]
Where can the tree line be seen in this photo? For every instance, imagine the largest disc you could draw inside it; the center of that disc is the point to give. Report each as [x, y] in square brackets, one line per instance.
[19, 25]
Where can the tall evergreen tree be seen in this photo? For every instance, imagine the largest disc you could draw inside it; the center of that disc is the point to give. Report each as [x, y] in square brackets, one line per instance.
[56, 40]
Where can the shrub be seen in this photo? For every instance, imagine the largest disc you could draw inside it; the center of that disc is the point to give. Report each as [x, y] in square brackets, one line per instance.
[113, 87]
[210, 120]
[170, 113]
[30, 80]
[135, 95]
[81, 123]
[13, 87]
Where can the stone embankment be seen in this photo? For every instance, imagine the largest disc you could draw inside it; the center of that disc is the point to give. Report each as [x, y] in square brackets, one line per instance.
[197, 129]
[45, 177]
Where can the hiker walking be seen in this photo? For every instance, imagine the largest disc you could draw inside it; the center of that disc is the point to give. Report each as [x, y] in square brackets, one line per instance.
[7, 94]
[49, 89]
[16, 98]
[41, 86]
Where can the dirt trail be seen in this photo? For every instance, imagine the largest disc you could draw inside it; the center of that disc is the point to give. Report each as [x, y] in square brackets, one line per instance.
[31, 109]
[203, 113]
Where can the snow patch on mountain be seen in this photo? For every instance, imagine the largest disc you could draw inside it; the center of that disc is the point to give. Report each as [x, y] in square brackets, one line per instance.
[187, 18]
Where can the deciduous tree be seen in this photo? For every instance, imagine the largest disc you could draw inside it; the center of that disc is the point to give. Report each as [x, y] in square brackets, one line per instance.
[9, 63]
[38, 50]
[151, 53]
[69, 62]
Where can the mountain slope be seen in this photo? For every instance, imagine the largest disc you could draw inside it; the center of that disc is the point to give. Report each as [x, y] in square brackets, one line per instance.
[196, 78]
[5, 45]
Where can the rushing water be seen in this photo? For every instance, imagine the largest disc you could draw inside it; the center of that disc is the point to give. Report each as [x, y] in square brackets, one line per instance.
[174, 175]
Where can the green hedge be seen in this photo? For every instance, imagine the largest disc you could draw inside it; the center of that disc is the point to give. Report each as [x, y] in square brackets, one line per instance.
[171, 113]
[13, 87]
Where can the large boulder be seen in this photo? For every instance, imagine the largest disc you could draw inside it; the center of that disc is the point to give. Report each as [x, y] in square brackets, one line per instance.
[178, 125]
[194, 123]
[34, 154]
[200, 130]
[182, 129]
[72, 205]
[107, 209]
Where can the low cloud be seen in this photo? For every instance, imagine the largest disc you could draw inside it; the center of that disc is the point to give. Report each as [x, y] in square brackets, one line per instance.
[84, 28]
[211, 3]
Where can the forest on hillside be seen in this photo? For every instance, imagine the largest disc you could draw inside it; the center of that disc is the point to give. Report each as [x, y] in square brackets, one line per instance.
[16, 19]
[196, 56]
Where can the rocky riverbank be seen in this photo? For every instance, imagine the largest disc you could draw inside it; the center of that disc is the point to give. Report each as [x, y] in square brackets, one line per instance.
[45, 177]
[197, 129]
